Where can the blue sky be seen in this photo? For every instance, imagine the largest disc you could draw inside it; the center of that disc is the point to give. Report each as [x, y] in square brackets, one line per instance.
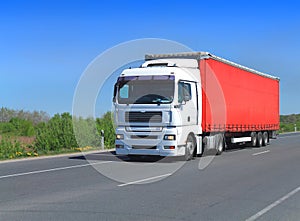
[46, 45]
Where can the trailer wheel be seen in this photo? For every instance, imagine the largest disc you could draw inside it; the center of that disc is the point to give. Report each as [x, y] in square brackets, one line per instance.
[190, 147]
[253, 139]
[265, 140]
[259, 139]
[220, 145]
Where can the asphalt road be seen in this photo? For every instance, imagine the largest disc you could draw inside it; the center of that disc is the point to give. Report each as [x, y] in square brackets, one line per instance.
[241, 184]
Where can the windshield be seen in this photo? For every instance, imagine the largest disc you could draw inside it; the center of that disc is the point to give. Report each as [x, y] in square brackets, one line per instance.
[145, 89]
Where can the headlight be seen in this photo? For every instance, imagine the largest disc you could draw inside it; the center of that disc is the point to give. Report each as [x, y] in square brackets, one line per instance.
[170, 137]
[119, 136]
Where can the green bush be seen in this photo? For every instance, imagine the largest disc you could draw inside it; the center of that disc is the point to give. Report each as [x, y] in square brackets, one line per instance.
[17, 127]
[6, 127]
[86, 132]
[287, 123]
[289, 127]
[10, 149]
[56, 134]
[22, 127]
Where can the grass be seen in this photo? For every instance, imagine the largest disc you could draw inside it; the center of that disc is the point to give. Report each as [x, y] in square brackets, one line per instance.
[23, 147]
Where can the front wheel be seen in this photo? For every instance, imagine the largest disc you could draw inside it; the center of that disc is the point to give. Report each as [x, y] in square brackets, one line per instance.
[190, 148]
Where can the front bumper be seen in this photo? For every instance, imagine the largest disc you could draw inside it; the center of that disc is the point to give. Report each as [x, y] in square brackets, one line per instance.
[148, 143]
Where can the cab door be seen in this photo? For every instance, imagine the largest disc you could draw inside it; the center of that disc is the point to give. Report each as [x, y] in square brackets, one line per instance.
[187, 98]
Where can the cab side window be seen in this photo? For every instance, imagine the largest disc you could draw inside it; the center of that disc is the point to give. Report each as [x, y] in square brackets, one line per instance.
[184, 92]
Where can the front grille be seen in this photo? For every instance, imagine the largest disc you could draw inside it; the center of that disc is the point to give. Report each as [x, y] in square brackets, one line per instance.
[143, 117]
[144, 147]
[143, 137]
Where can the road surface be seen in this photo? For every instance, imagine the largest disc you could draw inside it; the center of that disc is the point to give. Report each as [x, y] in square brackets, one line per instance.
[241, 184]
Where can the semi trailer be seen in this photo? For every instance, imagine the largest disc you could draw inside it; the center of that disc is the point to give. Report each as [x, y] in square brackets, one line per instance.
[184, 103]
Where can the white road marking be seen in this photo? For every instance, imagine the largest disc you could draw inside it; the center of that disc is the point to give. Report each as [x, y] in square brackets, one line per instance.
[266, 151]
[146, 179]
[53, 169]
[277, 202]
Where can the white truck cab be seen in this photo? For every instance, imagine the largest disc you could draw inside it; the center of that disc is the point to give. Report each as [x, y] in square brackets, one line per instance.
[158, 109]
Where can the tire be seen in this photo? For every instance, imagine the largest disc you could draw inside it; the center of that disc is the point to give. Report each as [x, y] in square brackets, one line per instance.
[259, 139]
[190, 148]
[220, 145]
[265, 138]
[253, 139]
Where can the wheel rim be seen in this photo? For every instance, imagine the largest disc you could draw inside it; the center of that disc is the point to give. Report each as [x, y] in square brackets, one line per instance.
[220, 146]
[259, 139]
[254, 139]
[190, 147]
[265, 138]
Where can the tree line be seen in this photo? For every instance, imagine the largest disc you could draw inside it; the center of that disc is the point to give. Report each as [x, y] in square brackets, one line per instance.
[51, 134]
[6, 114]
[288, 122]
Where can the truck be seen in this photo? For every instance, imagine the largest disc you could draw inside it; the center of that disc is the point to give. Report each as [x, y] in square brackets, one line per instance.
[182, 104]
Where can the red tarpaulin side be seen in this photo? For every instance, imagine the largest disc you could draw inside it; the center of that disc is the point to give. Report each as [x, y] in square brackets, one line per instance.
[235, 100]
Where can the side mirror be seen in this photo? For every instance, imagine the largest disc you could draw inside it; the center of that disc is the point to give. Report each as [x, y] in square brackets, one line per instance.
[115, 92]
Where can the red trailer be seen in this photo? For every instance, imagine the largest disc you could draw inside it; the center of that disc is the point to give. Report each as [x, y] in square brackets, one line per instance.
[250, 98]
[237, 101]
